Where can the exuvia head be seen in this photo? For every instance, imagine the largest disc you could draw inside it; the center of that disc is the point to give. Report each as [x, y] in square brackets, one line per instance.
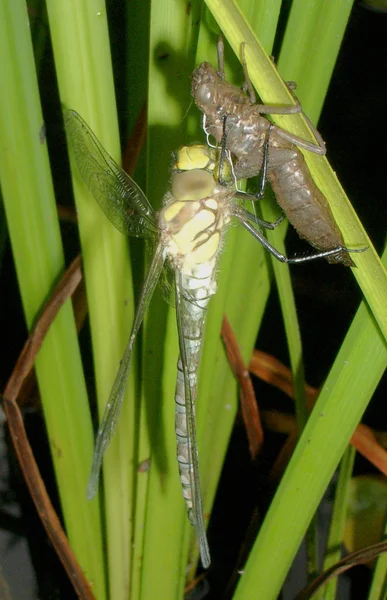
[204, 73]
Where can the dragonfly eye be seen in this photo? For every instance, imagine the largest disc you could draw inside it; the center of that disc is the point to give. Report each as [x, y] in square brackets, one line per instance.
[193, 157]
[205, 94]
[192, 185]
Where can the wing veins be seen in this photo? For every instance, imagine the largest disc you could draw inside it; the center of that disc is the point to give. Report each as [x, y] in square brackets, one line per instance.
[116, 398]
[119, 196]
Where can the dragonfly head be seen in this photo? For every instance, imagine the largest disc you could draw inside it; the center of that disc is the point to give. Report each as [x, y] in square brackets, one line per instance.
[192, 185]
[205, 81]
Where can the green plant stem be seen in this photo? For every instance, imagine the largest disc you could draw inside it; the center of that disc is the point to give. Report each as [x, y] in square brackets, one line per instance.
[81, 47]
[38, 255]
[378, 590]
[163, 549]
[317, 25]
[353, 378]
[336, 530]
[370, 273]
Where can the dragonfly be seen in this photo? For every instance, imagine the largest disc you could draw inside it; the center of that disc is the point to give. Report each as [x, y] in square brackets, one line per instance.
[187, 234]
[231, 115]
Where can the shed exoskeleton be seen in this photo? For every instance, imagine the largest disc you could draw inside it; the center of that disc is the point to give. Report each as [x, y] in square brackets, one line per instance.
[233, 118]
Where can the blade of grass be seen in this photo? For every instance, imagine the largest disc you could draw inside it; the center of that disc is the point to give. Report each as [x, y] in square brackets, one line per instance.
[137, 61]
[337, 524]
[279, 269]
[370, 274]
[230, 20]
[38, 256]
[289, 315]
[262, 17]
[357, 369]
[81, 47]
[304, 23]
[27, 463]
[317, 25]
[378, 589]
[173, 30]
[242, 275]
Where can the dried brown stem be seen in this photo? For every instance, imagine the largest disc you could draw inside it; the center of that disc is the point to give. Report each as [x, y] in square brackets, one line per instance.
[23, 450]
[248, 401]
[272, 371]
[356, 558]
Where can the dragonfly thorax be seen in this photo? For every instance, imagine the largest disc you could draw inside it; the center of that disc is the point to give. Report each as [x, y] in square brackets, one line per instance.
[191, 222]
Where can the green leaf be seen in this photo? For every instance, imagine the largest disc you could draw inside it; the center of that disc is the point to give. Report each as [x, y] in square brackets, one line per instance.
[38, 256]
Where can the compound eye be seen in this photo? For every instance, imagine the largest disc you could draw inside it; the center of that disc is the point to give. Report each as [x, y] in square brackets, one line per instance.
[192, 185]
[205, 94]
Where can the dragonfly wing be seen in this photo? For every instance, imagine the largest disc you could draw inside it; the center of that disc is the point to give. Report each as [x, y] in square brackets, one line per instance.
[114, 404]
[120, 198]
[167, 284]
[186, 433]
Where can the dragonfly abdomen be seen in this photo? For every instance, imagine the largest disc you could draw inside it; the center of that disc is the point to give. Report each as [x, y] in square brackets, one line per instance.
[305, 205]
[196, 294]
[183, 445]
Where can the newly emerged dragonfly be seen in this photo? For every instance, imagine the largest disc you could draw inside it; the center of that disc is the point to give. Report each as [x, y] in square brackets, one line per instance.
[233, 118]
[188, 232]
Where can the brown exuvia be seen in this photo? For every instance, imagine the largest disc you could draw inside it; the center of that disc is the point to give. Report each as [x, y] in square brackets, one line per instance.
[232, 116]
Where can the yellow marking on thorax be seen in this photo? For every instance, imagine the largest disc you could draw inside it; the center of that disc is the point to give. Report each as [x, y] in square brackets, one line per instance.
[186, 238]
[205, 252]
[211, 203]
[171, 211]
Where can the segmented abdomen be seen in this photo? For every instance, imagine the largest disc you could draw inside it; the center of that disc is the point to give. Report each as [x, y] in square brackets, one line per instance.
[196, 296]
[182, 439]
[303, 202]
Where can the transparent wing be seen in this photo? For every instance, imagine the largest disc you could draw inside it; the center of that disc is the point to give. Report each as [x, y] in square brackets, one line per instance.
[197, 507]
[167, 278]
[167, 286]
[120, 198]
[114, 404]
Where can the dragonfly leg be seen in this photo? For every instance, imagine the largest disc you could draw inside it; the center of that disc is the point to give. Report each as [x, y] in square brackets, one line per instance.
[263, 176]
[241, 213]
[296, 108]
[291, 261]
[247, 87]
[318, 148]
[265, 161]
[223, 153]
[220, 50]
